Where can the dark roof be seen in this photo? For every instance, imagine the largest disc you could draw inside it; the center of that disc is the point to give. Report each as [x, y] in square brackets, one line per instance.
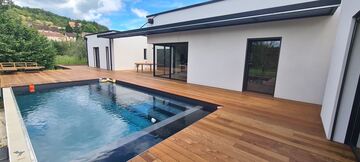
[47, 28]
[103, 32]
[301, 10]
[186, 7]
[51, 34]
[70, 34]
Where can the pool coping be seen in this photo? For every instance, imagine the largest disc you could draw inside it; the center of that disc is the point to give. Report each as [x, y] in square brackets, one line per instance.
[19, 144]
[25, 143]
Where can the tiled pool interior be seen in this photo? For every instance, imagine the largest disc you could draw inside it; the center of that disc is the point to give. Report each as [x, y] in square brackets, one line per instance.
[92, 121]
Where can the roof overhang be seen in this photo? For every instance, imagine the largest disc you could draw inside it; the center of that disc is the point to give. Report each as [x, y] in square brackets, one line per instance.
[103, 32]
[295, 11]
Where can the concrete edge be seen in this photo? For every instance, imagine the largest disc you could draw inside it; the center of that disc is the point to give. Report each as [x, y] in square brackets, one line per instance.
[19, 144]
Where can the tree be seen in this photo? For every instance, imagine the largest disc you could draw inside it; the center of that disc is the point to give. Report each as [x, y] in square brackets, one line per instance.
[20, 43]
[69, 29]
[89, 28]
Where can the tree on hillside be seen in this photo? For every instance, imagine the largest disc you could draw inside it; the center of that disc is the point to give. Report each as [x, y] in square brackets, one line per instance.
[89, 28]
[69, 29]
[21, 43]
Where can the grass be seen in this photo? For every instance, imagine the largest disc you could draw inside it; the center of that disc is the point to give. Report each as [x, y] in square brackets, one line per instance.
[70, 60]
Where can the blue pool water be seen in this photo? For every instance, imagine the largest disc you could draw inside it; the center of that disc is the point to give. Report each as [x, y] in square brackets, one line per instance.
[70, 122]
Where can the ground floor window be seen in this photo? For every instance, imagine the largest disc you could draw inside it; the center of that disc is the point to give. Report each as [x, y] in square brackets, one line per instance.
[171, 60]
[261, 65]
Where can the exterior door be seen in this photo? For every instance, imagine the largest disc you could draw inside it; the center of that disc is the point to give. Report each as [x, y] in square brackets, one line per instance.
[163, 61]
[96, 57]
[261, 65]
[108, 61]
[171, 60]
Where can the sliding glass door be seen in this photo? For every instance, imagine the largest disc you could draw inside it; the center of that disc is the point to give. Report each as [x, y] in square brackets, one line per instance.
[261, 65]
[170, 60]
[162, 61]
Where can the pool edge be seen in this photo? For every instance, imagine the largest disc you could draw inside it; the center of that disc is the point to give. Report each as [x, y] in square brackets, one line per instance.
[19, 145]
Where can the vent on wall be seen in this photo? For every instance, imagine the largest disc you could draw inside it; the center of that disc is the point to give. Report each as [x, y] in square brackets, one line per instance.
[150, 21]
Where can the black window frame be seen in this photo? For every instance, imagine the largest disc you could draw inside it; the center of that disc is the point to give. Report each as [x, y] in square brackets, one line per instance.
[108, 61]
[247, 55]
[170, 44]
[96, 57]
[145, 54]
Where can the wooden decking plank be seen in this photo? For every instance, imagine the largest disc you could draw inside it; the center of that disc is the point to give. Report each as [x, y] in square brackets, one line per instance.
[249, 127]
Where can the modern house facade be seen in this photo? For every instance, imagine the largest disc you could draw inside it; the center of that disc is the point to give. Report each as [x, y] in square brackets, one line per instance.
[299, 50]
[116, 54]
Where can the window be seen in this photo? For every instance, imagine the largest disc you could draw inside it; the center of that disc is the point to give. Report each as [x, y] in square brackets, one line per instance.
[261, 65]
[108, 61]
[96, 57]
[170, 60]
[145, 56]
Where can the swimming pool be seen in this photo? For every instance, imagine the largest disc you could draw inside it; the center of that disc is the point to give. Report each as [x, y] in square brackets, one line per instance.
[92, 121]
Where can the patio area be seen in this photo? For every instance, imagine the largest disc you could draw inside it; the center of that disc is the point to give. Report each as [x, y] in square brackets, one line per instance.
[248, 127]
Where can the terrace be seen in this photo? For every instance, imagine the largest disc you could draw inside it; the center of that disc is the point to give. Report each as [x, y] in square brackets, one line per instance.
[247, 127]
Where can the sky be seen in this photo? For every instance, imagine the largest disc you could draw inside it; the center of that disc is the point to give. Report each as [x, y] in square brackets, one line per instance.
[115, 14]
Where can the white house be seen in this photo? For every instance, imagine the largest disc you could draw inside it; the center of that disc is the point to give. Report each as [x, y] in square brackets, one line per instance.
[116, 54]
[301, 50]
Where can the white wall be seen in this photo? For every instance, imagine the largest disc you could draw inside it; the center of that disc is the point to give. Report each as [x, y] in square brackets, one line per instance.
[129, 50]
[102, 43]
[349, 90]
[217, 56]
[220, 8]
[336, 70]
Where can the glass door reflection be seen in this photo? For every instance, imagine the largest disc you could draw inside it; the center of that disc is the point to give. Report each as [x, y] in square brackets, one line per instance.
[261, 65]
[171, 60]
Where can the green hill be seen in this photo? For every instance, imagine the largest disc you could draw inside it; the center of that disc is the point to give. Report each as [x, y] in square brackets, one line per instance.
[39, 18]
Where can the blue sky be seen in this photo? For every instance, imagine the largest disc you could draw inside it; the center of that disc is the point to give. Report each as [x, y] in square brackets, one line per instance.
[127, 19]
[115, 14]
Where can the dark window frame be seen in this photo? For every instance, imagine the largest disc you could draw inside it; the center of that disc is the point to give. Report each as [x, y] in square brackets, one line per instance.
[247, 55]
[145, 54]
[170, 44]
[107, 53]
[96, 58]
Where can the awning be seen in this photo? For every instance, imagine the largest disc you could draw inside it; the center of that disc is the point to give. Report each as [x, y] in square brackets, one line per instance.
[295, 11]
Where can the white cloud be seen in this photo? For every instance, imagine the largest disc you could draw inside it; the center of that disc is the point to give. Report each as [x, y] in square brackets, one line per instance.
[139, 12]
[91, 10]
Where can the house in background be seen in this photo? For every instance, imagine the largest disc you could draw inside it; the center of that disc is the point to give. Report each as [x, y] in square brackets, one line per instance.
[54, 33]
[116, 54]
[70, 36]
[300, 50]
[74, 24]
[54, 36]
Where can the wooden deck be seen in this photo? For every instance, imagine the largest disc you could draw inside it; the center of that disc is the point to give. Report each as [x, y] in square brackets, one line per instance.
[249, 127]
